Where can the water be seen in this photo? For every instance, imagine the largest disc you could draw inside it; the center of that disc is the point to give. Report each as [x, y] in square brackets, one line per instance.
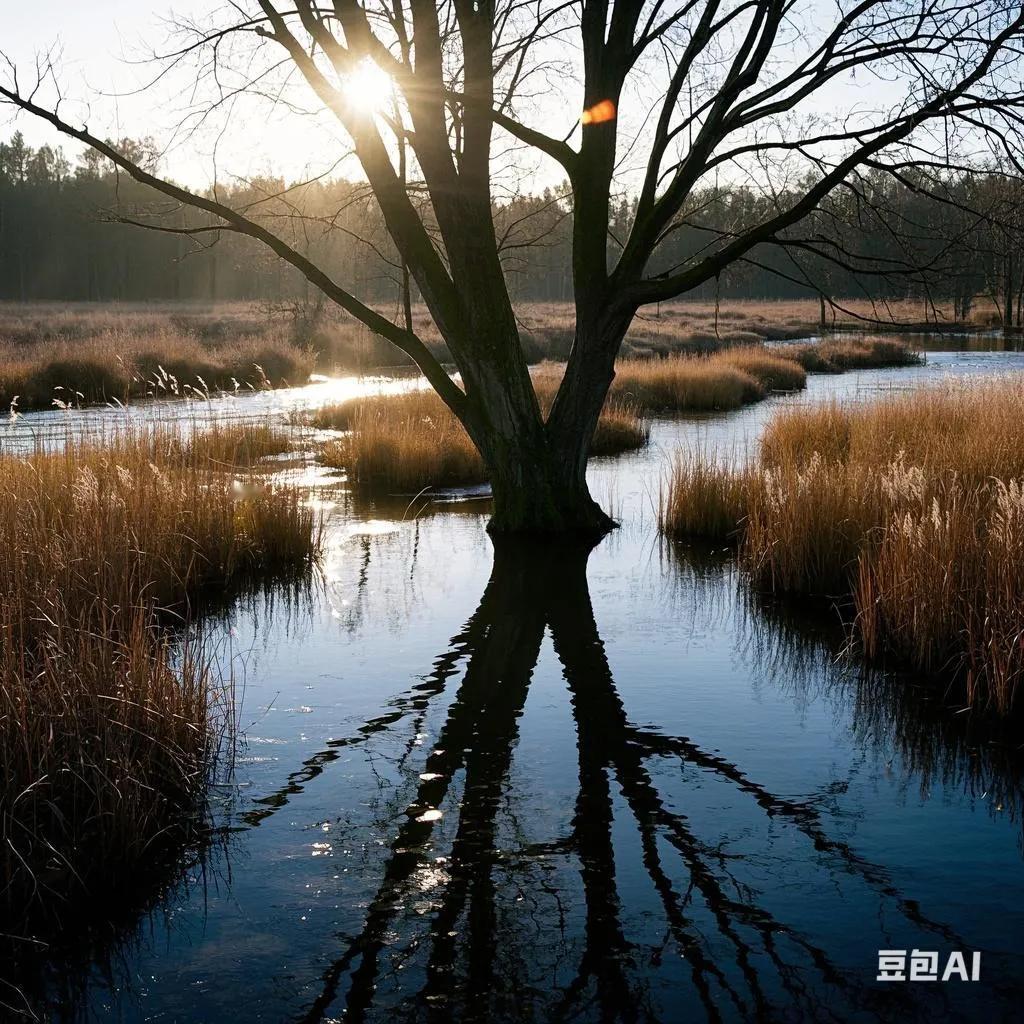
[531, 784]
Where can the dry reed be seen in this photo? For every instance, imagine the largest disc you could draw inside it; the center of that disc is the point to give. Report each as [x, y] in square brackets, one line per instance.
[837, 356]
[743, 374]
[113, 351]
[106, 732]
[772, 370]
[118, 364]
[412, 440]
[684, 384]
[913, 507]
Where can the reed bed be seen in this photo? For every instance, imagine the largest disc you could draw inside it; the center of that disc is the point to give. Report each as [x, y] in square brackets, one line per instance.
[230, 445]
[911, 509]
[81, 354]
[117, 365]
[839, 356]
[411, 440]
[685, 384]
[738, 376]
[407, 442]
[772, 371]
[101, 352]
[108, 720]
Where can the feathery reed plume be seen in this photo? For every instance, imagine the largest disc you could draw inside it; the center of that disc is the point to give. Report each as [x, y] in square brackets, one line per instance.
[911, 507]
[108, 719]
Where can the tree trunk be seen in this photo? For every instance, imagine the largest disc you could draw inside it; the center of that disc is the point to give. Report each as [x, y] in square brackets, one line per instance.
[542, 492]
[1008, 292]
[538, 479]
[537, 470]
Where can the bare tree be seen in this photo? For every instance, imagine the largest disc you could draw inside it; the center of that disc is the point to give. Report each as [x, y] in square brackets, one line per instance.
[747, 88]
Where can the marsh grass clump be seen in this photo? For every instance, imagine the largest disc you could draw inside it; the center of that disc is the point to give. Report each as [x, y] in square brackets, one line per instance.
[772, 371]
[407, 442]
[411, 440]
[685, 384]
[116, 365]
[908, 509]
[716, 382]
[107, 743]
[703, 498]
[109, 710]
[840, 355]
[228, 444]
[621, 428]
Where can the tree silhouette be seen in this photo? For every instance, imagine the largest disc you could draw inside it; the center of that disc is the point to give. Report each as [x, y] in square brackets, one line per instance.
[735, 84]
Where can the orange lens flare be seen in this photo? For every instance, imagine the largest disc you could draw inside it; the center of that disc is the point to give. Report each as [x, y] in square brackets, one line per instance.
[600, 112]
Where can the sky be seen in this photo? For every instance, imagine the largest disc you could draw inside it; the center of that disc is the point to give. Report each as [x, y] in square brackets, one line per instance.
[103, 47]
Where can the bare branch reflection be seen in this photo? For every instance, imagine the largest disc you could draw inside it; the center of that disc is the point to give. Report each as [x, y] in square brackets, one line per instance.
[443, 937]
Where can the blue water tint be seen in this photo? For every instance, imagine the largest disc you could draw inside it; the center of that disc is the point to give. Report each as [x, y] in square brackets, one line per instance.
[661, 798]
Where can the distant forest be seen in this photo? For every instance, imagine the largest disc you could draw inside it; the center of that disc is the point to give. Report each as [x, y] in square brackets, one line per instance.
[884, 236]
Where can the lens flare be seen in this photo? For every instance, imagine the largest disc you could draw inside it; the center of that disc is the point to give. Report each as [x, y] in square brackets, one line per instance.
[599, 113]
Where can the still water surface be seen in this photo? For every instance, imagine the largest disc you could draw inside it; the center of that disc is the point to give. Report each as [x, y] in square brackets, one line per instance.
[556, 785]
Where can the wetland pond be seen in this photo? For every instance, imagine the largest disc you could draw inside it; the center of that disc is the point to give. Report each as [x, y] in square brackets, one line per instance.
[563, 785]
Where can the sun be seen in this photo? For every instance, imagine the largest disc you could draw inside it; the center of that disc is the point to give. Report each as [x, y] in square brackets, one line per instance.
[368, 88]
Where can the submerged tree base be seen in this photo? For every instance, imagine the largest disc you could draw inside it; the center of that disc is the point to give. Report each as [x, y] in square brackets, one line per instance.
[545, 495]
[527, 517]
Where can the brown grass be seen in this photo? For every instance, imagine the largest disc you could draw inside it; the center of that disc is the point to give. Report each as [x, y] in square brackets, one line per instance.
[411, 440]
[743, 374]
[702, 498]
[106, 733]
[229, 445]
[771, 368]
[685, 384]
[407, 441]
[115, 351]
[119, 366]
[839, 355]
[912, 506]
[695, 326]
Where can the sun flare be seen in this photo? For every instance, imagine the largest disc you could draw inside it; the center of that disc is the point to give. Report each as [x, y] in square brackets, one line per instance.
[369, 88]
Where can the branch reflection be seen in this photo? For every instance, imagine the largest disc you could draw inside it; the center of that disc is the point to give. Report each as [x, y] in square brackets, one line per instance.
[721, 948]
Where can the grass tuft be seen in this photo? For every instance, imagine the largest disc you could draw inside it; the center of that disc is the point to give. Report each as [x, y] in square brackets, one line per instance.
[685, 384]
[409, 441]
[910, 507]
[108, 722]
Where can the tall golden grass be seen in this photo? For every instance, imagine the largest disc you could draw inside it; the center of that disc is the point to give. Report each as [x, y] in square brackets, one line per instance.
[227, 444]
[737, 376]
[912, 506]
[107, 718]
[770, 367]
[103, 352]
[839, 355]
[411, 440]
[685, 384]
[407, 441]
[117, 364]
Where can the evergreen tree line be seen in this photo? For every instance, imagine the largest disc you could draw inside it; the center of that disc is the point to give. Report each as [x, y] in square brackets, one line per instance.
[954, 237]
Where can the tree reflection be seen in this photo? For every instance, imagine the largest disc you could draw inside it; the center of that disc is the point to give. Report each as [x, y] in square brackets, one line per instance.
[734, 957]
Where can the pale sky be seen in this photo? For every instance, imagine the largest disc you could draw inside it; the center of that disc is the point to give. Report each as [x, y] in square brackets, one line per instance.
[100, 39]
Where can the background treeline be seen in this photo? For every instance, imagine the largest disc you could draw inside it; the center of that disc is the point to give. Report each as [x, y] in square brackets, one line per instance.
[956, 238]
